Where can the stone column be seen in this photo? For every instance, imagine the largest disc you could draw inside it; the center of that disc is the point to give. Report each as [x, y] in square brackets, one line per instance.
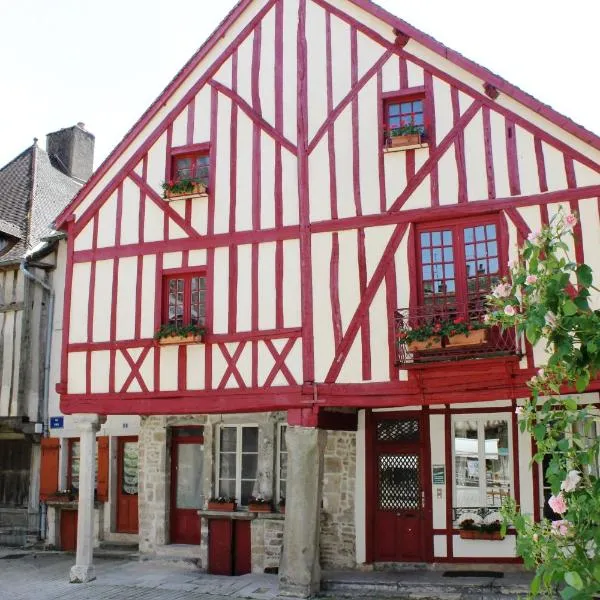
[300, 572]
[88, 425]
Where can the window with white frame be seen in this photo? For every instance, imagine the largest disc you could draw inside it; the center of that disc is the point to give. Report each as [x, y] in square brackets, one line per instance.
[482, 461]
[238, 461]
[282, 462]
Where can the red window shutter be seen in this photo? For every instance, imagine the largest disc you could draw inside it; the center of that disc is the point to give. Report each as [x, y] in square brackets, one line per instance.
[103, 462]
[49, 467]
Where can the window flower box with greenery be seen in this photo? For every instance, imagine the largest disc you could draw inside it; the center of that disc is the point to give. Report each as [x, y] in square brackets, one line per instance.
[425, 337]
[405, 135]
[222, 503]
[174, 189]
[179, 334]
[460, 332]
[469, 530]
[260, 504]
[63, 496]
[452, 333]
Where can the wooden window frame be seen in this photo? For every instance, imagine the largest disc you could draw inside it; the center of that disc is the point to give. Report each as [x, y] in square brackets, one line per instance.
[400, 96]
[459, 256]
[192, 152]
[187, 275]
[238, 457]
[480, 419]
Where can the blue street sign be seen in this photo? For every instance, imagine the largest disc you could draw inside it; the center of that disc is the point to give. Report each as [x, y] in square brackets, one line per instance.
[57, 422]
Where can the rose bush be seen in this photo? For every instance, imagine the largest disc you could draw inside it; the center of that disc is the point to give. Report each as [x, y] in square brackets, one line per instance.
[548, 299]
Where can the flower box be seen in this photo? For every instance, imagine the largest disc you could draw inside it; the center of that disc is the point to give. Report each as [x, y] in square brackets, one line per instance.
[407, 139]
[197, 189]
[473, 534]
[262, 507]
[475, 338]
[432, 343]
[221, 506]
[170, 340]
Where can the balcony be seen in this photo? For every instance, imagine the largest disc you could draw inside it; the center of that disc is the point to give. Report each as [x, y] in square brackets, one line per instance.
[440, 346]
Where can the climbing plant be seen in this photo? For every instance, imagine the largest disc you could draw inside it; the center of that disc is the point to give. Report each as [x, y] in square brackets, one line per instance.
[549, 298]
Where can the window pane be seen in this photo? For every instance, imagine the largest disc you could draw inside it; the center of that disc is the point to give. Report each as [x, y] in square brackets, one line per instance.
[228, 439]
[406, 108]
[189, 476]
[493, 265]
[497, 462]
[492, 249]
[490, 231]
[418, 106]
[426, 256]
[183, 168]
[247, 491]
[249, 466]
[480, 233]
[250, 439]
[469, 235]
[227, 465]
[227, 488]
[466, 464]
[393, 109]
[425, 239]
[436, 238]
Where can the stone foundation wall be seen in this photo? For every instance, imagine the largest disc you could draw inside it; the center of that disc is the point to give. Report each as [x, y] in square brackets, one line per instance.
[338, 534]
[267, 540]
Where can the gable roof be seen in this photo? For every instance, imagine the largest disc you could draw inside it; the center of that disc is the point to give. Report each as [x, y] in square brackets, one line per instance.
[32, 193]
[375, 10]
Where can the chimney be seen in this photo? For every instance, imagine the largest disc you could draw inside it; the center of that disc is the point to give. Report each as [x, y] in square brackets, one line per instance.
[71, 151]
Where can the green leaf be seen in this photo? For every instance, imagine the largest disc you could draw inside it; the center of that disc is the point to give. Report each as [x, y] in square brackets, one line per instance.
[535, 585]
[570, 404]
[539, 432]
[573, 579]
[569, 308]
[582, 381]
[592, 347]
[568, 593]
[597, 572]
[533, 333]
[584, 275]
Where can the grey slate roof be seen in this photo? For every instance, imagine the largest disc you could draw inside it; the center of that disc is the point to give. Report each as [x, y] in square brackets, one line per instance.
[32, 194]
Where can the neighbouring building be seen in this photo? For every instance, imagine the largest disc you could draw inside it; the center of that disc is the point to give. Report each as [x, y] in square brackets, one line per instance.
[318, 180]
[34, 188]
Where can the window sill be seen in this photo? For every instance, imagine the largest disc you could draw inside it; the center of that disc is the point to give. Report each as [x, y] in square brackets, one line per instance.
[186, 196]
[172, 340]
[386, 150]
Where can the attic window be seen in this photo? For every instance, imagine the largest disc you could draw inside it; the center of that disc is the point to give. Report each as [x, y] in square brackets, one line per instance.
[189, 173]
[404, 119]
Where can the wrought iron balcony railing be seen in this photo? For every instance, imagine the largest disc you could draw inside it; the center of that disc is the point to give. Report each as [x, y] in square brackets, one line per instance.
[441, 346]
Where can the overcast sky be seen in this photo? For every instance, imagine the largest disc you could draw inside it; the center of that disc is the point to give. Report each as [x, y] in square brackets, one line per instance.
[104, 61]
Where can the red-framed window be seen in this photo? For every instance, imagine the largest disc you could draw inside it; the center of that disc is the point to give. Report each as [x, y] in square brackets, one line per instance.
[459, 262]
[404, 114]
[194, 166]
[185, 299]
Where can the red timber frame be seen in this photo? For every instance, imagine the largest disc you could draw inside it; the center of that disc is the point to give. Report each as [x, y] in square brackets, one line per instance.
[304, 395]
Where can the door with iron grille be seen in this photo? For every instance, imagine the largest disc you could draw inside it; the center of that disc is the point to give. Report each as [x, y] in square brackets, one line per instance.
[399, 512]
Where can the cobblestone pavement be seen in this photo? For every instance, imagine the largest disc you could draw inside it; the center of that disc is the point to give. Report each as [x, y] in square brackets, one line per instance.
[44, 576]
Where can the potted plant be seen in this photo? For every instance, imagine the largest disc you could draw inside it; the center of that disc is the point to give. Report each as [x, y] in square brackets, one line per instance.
[424, 337]
[407, 134]
[184, 187]
[259, 504]
[62, 496]
[222, 503]
[179, 334]
[461, 332]
[469, 530]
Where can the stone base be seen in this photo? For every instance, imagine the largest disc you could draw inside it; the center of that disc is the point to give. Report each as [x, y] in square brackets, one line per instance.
[295, 590]
[82, 574]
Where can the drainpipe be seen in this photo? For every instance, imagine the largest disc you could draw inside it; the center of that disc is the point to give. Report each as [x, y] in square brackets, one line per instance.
[46, 389]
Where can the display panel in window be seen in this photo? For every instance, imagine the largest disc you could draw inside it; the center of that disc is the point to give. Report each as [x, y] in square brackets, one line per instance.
[482, 462]
[238, 462]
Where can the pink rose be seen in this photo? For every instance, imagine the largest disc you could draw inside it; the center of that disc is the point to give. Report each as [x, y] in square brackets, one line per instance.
[570, 221]
[571, 481]
[561, 527]
[558, 504]
[519, 411]
[510, 311]
[531, 279]
[541, 373]
[502, 290]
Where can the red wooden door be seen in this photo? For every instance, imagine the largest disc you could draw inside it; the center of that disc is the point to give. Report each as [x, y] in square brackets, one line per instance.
[400, 527]
[187, 456]
[127, 492]
[68, 530]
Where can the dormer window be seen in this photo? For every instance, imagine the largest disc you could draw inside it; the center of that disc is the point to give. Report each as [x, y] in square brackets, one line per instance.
[189, 173]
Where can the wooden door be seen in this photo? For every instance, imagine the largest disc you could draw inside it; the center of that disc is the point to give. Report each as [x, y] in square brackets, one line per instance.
[68, 530]
[187, 456]
[399, 520]
[127, 492]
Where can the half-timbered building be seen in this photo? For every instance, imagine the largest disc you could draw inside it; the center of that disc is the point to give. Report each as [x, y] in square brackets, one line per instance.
[320, 180]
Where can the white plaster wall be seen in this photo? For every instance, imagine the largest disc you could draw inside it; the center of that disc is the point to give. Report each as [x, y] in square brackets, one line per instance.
[221, 189]
[342, 74]
[369, 140]
[483, 549]
[126, 294]
[317, 67]
[244, 173]
[290, 69]
[588, 210]
[477, 188]
[102, 300]
[266, 76]
[291, 284]
[79, 302]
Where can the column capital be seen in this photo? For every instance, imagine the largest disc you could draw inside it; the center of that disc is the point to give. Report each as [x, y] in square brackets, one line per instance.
[88, 422]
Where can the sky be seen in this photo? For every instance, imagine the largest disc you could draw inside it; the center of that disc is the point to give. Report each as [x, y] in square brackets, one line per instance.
[103, 62]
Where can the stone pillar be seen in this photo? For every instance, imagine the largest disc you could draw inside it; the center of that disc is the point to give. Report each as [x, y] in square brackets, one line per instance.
[88, 425]
[300, 572]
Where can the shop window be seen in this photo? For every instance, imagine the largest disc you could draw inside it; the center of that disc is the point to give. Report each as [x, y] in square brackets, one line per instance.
[185, 299]
[459, 264]
[74, 462]
[238, 462]
[482, 461]
[282, 463]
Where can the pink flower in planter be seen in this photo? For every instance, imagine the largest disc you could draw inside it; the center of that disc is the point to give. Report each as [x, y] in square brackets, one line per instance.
[558, 504]
[571, 481]
[510, 310]
[561, 527]
[570, 221]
